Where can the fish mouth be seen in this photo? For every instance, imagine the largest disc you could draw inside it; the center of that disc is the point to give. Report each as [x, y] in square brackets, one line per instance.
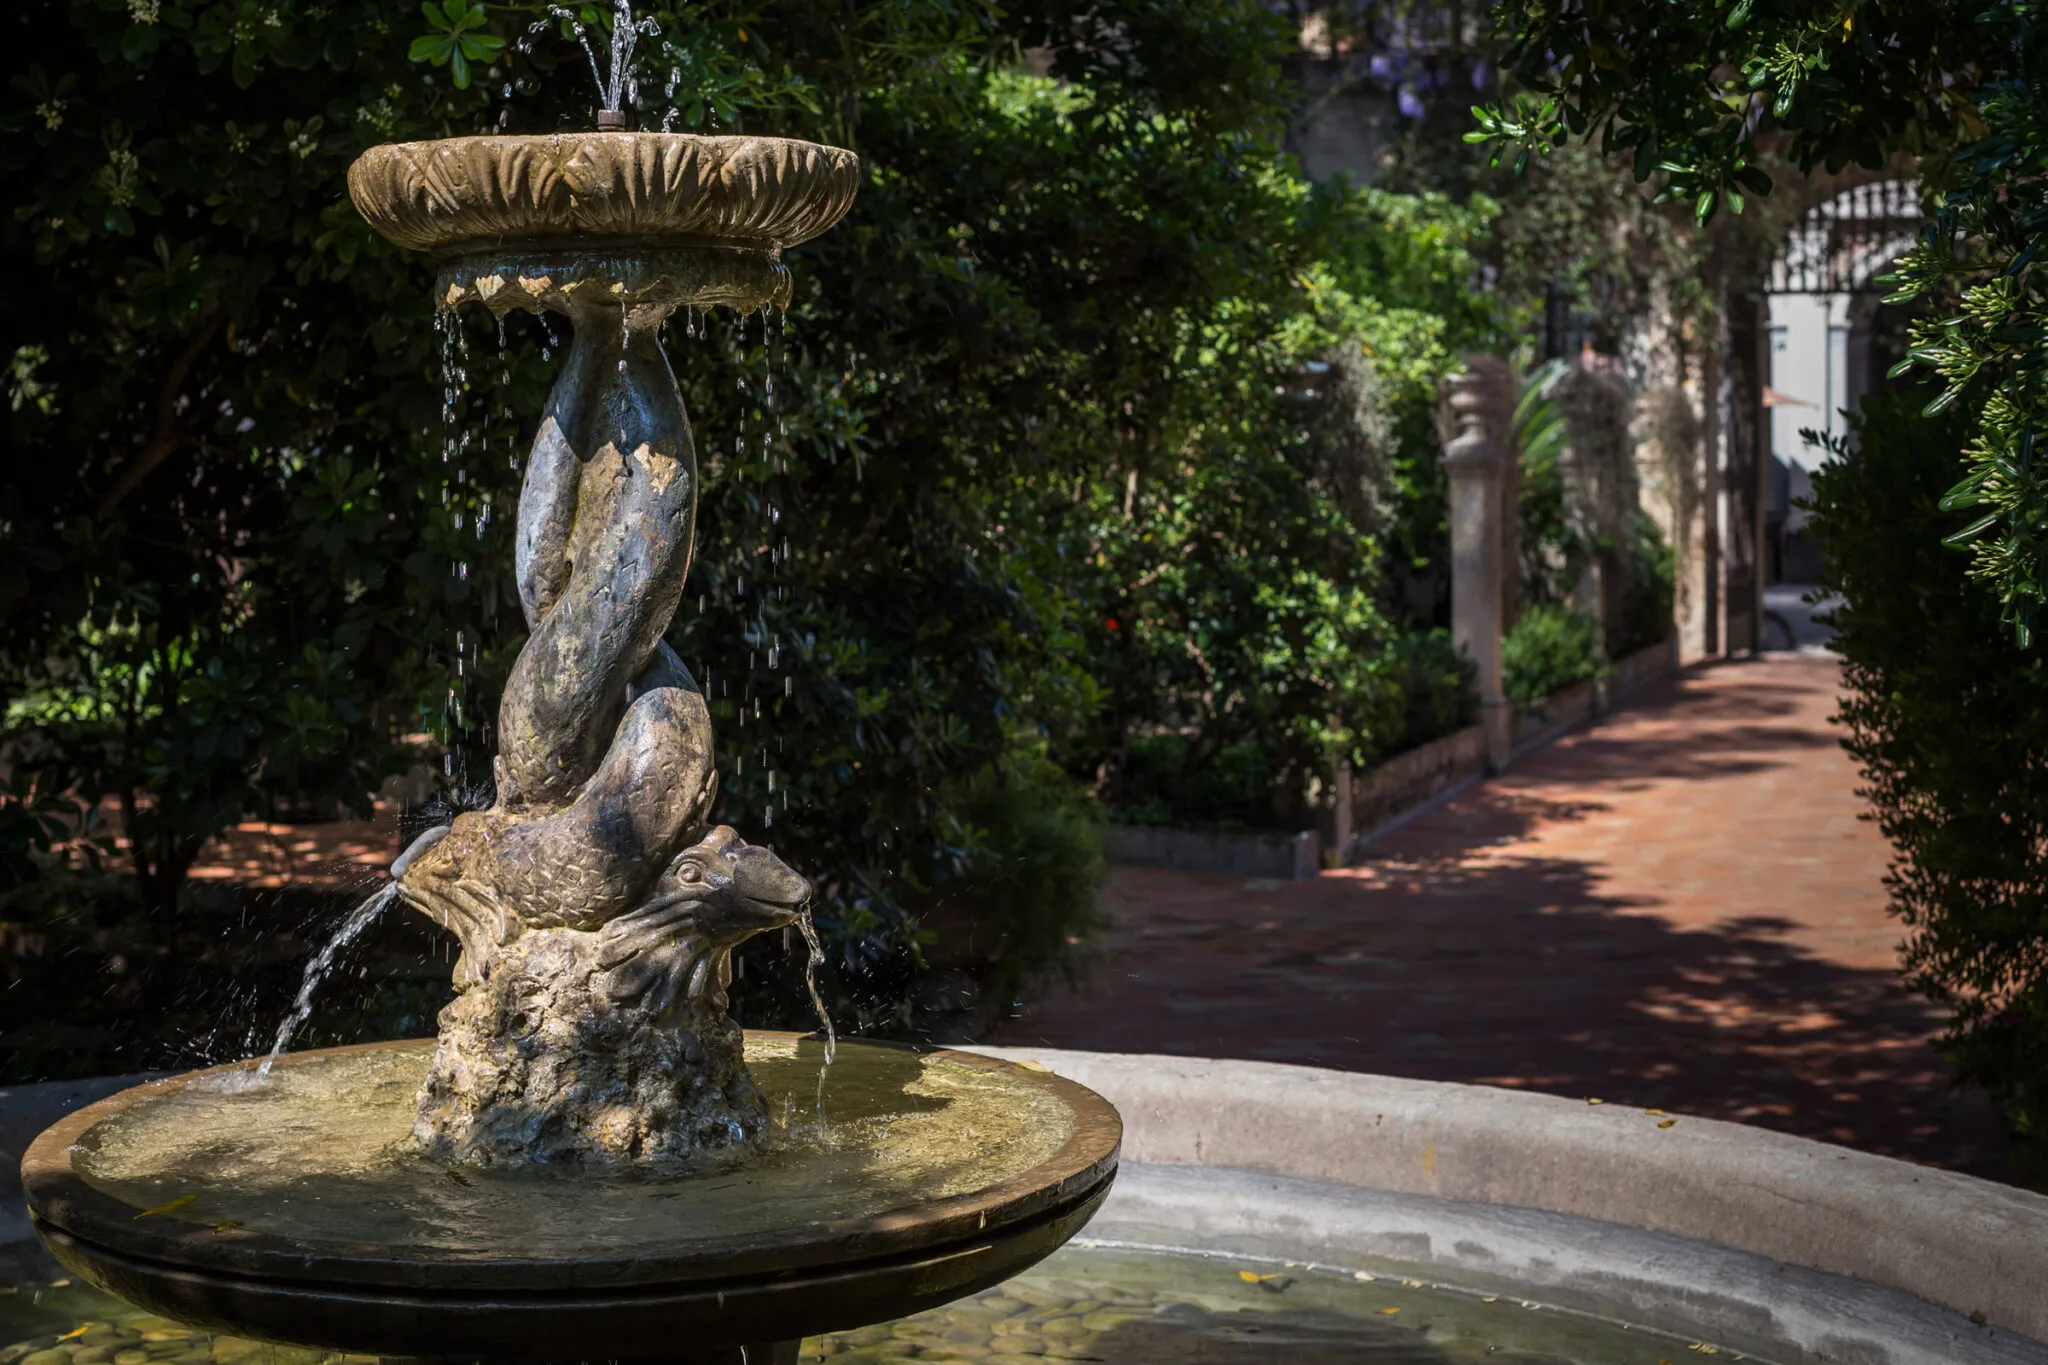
[769, 885]
[426, 840]
[777, 906]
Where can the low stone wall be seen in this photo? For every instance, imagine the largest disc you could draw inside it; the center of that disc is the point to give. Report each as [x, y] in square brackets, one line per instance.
[1642, 667]
[1538, 725]
[1384, 796]
[1790, 1249]
[1407, 780]
[1241, 853]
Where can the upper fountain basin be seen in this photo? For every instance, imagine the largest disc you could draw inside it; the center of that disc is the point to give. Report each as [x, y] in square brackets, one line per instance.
[459, 196]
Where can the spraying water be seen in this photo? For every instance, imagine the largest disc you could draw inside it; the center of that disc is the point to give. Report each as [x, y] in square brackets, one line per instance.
[614, 93]
[351, 929]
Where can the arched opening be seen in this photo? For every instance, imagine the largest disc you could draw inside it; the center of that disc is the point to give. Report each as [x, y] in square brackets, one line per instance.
[1832, 339]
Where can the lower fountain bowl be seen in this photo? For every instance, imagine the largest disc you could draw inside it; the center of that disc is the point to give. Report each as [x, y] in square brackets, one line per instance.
[297, 1210]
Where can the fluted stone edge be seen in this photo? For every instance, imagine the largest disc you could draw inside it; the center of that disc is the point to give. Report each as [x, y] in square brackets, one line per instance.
[459, 196]
[647, 285]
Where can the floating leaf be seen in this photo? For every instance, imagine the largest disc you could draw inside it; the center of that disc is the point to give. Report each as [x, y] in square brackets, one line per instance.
[180, 1202]
[1667, 1123]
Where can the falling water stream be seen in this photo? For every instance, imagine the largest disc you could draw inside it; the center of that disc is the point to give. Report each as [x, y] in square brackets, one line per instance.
[814, 958]
[351, 929]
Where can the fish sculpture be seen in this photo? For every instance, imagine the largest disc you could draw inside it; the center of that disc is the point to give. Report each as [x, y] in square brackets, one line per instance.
[596, 907]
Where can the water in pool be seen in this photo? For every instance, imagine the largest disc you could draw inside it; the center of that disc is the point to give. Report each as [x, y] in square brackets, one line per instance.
[1085, 1303]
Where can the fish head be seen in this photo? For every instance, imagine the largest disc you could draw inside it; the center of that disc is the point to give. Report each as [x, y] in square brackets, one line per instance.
[735, 889]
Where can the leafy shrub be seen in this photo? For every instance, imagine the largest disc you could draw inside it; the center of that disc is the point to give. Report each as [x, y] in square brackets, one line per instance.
[1643, 611]
[1023, 469]
[1031, 864]
[1035, 367]
[1948, 718]
[1549, 648]
[1167, 780]
[1436, 689]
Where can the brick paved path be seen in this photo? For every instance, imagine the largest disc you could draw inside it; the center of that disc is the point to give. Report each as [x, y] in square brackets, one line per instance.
[1676, 907]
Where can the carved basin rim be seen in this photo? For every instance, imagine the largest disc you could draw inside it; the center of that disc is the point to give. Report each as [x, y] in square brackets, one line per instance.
[459, 196]
[61, 1200]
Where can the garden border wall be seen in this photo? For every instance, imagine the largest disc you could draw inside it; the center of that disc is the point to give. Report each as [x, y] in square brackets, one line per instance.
[1388, 796]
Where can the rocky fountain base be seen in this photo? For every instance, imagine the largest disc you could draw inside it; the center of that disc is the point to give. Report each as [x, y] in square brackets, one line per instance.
[302, 1211]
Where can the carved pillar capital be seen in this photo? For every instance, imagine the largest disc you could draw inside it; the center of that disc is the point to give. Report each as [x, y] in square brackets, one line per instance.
[1474, 393]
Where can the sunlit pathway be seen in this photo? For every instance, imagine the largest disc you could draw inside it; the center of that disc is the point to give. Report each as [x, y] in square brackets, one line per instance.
[1678, 907]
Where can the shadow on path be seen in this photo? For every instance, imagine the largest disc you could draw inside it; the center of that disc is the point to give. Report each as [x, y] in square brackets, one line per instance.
[1470, 949]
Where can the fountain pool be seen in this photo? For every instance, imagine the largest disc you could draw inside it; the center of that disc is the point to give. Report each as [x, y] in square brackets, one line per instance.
[301, 1209]
[1086, 1302]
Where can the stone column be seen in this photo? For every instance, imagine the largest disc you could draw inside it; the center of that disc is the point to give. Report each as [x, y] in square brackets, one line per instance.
[1475, 465]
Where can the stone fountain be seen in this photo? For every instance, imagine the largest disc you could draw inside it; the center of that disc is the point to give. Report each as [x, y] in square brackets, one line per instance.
[595, 946]
[591, 1161]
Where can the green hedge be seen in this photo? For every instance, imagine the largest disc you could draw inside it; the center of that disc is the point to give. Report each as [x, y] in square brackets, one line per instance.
[1549, 648]
[1949, 719]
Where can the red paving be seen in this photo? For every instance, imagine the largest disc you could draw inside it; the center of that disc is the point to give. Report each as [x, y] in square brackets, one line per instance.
[343, 853]
[1676, 907]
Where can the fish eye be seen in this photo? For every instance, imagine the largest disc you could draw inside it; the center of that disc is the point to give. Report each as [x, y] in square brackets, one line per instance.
[690, 873]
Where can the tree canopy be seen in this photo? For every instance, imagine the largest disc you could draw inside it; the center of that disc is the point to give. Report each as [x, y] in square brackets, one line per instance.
[1701, 97]
[1022, 473]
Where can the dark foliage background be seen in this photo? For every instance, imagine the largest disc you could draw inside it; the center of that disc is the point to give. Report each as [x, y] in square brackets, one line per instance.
[1023, 478]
